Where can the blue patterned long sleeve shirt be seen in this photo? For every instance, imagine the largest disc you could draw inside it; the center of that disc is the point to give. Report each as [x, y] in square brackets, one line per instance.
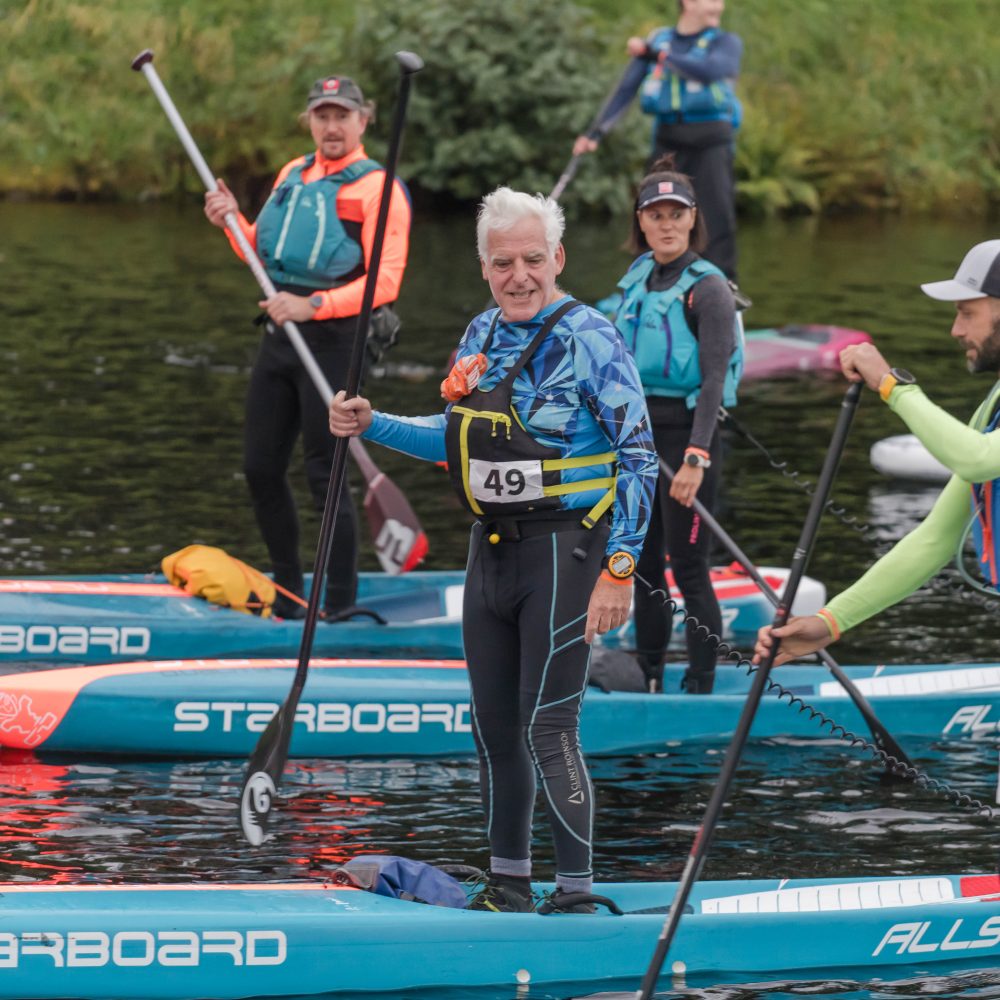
[580, 394]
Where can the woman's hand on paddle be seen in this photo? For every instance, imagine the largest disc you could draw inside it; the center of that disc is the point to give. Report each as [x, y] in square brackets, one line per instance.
[584, 144]
[686, 483]
[636, 47]
[218, 204]
[285, 306]
[349, 417]
[864, 363]
[801, 635]
[609, 605]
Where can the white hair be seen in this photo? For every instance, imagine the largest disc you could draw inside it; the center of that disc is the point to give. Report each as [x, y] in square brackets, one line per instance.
[505, 208]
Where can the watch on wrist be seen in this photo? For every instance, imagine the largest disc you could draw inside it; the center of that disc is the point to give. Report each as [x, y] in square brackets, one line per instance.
[892, 378]
[697, 458]
[621, 565]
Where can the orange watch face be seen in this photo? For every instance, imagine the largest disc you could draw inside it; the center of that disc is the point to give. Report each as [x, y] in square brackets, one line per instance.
[621, 565]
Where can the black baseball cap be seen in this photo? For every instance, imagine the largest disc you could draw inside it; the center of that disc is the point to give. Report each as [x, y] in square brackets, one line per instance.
[339, 90]
[656, 191]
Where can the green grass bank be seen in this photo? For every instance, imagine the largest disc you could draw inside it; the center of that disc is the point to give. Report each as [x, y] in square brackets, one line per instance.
[849, 105]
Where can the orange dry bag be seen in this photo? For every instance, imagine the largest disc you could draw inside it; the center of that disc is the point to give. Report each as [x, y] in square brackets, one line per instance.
[204, 571]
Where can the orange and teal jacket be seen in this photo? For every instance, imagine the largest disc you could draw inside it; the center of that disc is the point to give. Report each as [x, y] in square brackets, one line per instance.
[357, 201]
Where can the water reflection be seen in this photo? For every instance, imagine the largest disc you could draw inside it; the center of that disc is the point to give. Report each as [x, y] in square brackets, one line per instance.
[129, 337]
[798, 810]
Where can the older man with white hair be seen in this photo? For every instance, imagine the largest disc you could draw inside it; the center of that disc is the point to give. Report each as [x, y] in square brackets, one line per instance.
[548, 444]
[970, 502]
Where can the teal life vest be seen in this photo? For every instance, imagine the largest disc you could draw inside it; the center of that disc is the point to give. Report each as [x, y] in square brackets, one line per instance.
[986, 519]
[300, 238]
[674, 98]
[655, 328]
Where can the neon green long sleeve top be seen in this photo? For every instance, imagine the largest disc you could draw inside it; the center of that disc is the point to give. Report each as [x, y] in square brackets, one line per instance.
[973, 457]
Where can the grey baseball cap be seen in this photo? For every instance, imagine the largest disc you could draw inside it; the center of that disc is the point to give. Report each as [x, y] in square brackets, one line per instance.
[339, 90]
[977, 276]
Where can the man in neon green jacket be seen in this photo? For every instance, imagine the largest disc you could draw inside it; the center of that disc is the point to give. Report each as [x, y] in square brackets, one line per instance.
[969, 503]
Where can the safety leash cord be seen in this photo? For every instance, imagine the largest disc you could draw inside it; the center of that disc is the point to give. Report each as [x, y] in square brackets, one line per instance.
[892, 764]
[957, 587]
[806, 485]
[967, 588]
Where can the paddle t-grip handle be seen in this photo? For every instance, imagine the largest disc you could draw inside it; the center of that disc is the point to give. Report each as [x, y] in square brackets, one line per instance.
[409, 62]
[145, 56]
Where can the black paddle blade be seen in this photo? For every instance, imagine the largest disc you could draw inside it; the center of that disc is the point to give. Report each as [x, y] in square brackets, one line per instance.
[400, 542]
[261, 782]
[255, 806]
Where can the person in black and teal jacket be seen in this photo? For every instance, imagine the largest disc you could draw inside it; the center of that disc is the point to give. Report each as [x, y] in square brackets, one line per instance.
[678, 318]
[685, 77]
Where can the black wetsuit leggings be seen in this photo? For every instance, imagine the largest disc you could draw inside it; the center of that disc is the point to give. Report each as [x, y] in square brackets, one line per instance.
[281, 402]
[523, 622]
[677, 531]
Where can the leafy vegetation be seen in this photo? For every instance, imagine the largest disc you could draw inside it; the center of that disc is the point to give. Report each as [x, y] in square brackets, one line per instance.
[849, 104]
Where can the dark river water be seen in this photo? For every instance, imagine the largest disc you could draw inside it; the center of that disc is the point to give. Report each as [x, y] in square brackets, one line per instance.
[126, 343]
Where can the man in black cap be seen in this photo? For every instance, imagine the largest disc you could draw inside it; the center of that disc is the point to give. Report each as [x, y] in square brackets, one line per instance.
[968, 505]
[314, 236]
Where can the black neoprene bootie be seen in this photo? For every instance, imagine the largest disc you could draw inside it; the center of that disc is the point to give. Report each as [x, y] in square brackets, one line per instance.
[504, 894]
[698, 683]
[285, 607]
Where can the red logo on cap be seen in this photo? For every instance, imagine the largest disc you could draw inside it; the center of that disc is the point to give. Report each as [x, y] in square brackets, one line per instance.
[666, 187]
[331, 86]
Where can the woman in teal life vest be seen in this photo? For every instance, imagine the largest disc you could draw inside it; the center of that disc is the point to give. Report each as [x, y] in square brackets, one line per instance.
[314, 236]
[685, 77]
[678, 318]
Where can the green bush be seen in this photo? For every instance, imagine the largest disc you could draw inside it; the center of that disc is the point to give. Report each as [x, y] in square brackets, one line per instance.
[499, 103]
[849, 104]
[77, 120]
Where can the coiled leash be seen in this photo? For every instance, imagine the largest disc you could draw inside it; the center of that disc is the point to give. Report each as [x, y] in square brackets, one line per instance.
[892, 764]
[806, 485]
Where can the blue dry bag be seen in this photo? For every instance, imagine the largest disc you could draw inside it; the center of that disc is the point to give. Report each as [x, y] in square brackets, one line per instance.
[402, 878]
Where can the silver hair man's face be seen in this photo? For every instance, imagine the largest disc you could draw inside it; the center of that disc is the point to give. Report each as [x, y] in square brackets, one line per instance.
[521, 269]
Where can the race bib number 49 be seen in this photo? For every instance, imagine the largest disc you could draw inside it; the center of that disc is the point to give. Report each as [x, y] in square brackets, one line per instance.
[505, 482]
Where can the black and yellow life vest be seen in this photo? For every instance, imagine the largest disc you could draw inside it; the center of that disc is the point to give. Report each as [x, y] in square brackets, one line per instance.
[497, 467]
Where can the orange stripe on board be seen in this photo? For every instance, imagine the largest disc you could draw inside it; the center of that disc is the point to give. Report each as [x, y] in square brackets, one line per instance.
[87, 587]
[34, 703]
[20, 887]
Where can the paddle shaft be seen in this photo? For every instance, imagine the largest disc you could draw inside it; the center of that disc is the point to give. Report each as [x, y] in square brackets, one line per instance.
[882, 735]
[267, 762]
[569, 172]
[565, 177]
[703, 838]
[144, 63]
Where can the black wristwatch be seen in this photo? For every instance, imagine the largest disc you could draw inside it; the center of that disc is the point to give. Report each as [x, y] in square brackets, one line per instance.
[621, 565]
[697, 459]
[892, 378]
